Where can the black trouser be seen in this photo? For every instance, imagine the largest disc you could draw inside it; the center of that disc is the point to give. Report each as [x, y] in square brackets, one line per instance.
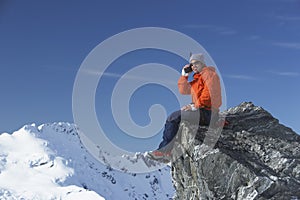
[201, 116]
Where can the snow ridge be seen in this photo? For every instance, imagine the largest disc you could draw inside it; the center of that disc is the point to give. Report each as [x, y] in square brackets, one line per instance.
[50, 162]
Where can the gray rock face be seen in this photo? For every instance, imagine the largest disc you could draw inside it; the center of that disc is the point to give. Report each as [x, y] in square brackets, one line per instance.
[254, 158]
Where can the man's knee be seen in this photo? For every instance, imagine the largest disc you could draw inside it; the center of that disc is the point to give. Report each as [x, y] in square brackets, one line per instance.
[175, 116]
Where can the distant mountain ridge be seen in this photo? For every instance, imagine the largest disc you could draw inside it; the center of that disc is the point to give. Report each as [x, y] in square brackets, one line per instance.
[255, 158]
[50, 162]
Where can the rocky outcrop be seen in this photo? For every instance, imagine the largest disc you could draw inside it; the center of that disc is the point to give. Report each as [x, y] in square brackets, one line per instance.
[255, 157]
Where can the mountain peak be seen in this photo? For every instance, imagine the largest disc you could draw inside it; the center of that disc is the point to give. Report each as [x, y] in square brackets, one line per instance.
[245, 107]
[255, 157]
[50, 162]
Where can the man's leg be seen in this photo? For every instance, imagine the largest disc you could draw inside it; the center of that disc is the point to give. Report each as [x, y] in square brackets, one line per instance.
[172, 126]
[170, 131]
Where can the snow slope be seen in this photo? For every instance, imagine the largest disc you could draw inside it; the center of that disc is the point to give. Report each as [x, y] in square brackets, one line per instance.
[50, 162]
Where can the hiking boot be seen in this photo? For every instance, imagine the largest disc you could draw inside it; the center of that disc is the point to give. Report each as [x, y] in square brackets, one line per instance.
[160, 155]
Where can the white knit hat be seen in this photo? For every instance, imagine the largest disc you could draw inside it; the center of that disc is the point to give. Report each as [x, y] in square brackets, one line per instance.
[198, 57]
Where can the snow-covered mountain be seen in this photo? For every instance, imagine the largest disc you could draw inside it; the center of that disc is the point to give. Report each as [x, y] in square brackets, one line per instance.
[50, 162]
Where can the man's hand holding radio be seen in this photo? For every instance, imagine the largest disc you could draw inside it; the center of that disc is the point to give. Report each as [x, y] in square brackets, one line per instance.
[187, 69]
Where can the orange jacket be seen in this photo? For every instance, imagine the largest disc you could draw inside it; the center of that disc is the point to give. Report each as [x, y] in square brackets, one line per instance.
[205, 88]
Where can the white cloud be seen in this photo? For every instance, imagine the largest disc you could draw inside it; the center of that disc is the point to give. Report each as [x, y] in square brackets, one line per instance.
[101, 73]
[240, 76]
[291, 45]
[289, 1]
[285, 73]
[288, 18]
[228, 32]
[254, 37]
[218, 29]
[288, 73]
[138, 77]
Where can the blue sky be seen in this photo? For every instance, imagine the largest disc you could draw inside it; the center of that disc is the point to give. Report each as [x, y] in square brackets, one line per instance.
[255, 44]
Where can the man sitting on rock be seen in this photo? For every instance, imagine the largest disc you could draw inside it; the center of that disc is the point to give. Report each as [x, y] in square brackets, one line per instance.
[205, 90]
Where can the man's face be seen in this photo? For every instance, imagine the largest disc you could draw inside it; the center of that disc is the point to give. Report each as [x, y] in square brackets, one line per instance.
[196, 66]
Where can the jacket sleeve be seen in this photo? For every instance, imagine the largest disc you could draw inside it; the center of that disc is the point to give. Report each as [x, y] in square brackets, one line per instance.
[184, 86]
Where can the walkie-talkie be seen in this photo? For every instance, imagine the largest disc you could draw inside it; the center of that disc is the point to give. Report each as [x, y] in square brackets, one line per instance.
[188, 69]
